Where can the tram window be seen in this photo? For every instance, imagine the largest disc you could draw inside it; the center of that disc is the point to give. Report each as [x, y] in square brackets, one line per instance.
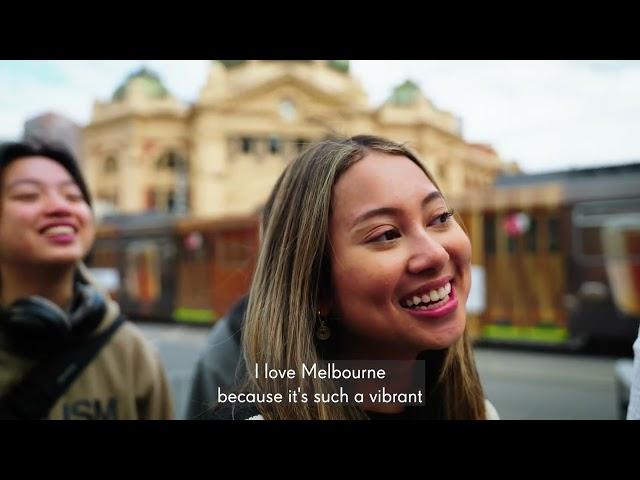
[231, 251]
[553, 230]
[590, 239]
[104, 256]
[489, 234]
[143, 274]
[532, 236]
[151, 199]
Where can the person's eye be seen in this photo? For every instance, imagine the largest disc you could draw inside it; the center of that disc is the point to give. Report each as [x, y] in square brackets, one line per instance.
[74, 197]
[25, 196]
[385, 236]
[442, 219]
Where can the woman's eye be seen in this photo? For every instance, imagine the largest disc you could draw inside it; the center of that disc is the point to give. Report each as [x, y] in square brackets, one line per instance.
[74, 197]
[386, 236]
[25, 196]
[442, 219]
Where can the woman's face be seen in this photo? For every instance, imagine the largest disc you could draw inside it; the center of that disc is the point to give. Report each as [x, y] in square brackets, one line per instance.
[44, 218]
[400, 264]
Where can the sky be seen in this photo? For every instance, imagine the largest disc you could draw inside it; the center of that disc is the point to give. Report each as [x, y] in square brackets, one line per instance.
[545, 115]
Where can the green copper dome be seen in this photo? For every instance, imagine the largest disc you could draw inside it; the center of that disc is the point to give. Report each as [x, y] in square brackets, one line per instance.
[151, 82]
[340, 65]
[406, 93]
[231, 63]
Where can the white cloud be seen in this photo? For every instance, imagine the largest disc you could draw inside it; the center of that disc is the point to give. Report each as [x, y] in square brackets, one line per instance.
[544, 114]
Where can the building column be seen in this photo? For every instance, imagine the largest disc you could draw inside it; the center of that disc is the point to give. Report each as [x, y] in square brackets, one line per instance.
[209, 168]
[131, 184]
[455, 178]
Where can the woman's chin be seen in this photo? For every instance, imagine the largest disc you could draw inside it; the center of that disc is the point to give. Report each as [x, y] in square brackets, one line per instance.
[445, 336]
[66, 260]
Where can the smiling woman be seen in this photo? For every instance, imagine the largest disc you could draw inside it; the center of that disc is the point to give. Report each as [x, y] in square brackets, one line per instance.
[362, 261]
[52, 315]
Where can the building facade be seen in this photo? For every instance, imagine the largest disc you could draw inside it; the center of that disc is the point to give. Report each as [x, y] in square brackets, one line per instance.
[145, 150]
[52, 127]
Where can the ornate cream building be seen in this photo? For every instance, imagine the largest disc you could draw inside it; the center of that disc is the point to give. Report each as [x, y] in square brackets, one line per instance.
[145, 150]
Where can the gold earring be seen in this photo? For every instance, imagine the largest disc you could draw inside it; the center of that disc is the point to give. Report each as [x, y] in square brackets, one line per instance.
[322, 332]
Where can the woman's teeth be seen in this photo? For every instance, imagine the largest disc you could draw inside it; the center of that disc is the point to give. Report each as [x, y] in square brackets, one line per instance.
[59, 230]
[432, 299]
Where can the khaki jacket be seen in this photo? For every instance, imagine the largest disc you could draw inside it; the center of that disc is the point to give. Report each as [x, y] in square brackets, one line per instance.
[125, 381]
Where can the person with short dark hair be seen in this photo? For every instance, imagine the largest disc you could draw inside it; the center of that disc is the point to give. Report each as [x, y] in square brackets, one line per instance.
[65, 350]
[219, 365]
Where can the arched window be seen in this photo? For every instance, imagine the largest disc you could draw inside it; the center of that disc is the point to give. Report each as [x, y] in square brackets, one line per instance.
[171, 160]
[176, 198]
[287, 110]
[247, 145]
[275, 145]
[170, 201]
[110, 165]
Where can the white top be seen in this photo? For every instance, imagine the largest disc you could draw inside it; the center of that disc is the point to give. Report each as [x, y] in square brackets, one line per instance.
[633, 412]
[492, 413]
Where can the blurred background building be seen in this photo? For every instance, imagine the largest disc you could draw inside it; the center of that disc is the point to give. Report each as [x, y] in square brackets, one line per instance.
[53, 127]
[555, 254]
[147, 151]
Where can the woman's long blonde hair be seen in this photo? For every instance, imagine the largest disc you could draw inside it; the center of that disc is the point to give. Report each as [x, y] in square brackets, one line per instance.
[292, 276]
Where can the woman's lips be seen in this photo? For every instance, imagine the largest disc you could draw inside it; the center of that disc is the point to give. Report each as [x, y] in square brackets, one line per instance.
[61, 239]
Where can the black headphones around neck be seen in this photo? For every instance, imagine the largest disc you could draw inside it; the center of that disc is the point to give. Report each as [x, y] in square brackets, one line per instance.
[35, 326]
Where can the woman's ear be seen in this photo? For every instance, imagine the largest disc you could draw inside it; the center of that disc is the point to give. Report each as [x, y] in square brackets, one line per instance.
[324, 302]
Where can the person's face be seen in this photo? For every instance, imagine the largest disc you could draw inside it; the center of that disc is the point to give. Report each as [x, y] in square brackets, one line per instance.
[394, 245]
[44, 218]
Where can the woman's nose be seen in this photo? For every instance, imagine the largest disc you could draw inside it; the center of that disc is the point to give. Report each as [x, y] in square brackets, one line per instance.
[427, 254]
[57, 204]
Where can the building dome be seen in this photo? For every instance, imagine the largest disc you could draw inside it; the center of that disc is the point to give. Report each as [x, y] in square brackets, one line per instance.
[148, 82]
[405, 94]
[339, 65]
[231, 63]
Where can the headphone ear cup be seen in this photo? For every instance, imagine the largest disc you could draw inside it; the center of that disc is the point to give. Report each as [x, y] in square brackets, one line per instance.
[35, 325]
[90, 311]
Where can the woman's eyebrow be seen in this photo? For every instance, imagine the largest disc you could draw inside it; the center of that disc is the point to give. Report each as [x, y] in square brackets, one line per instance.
[37, 183]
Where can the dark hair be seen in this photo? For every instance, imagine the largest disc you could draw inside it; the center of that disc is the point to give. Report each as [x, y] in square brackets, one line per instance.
[12, 151]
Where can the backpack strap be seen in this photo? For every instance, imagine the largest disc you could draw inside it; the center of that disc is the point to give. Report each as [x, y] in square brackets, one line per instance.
[35, 395]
